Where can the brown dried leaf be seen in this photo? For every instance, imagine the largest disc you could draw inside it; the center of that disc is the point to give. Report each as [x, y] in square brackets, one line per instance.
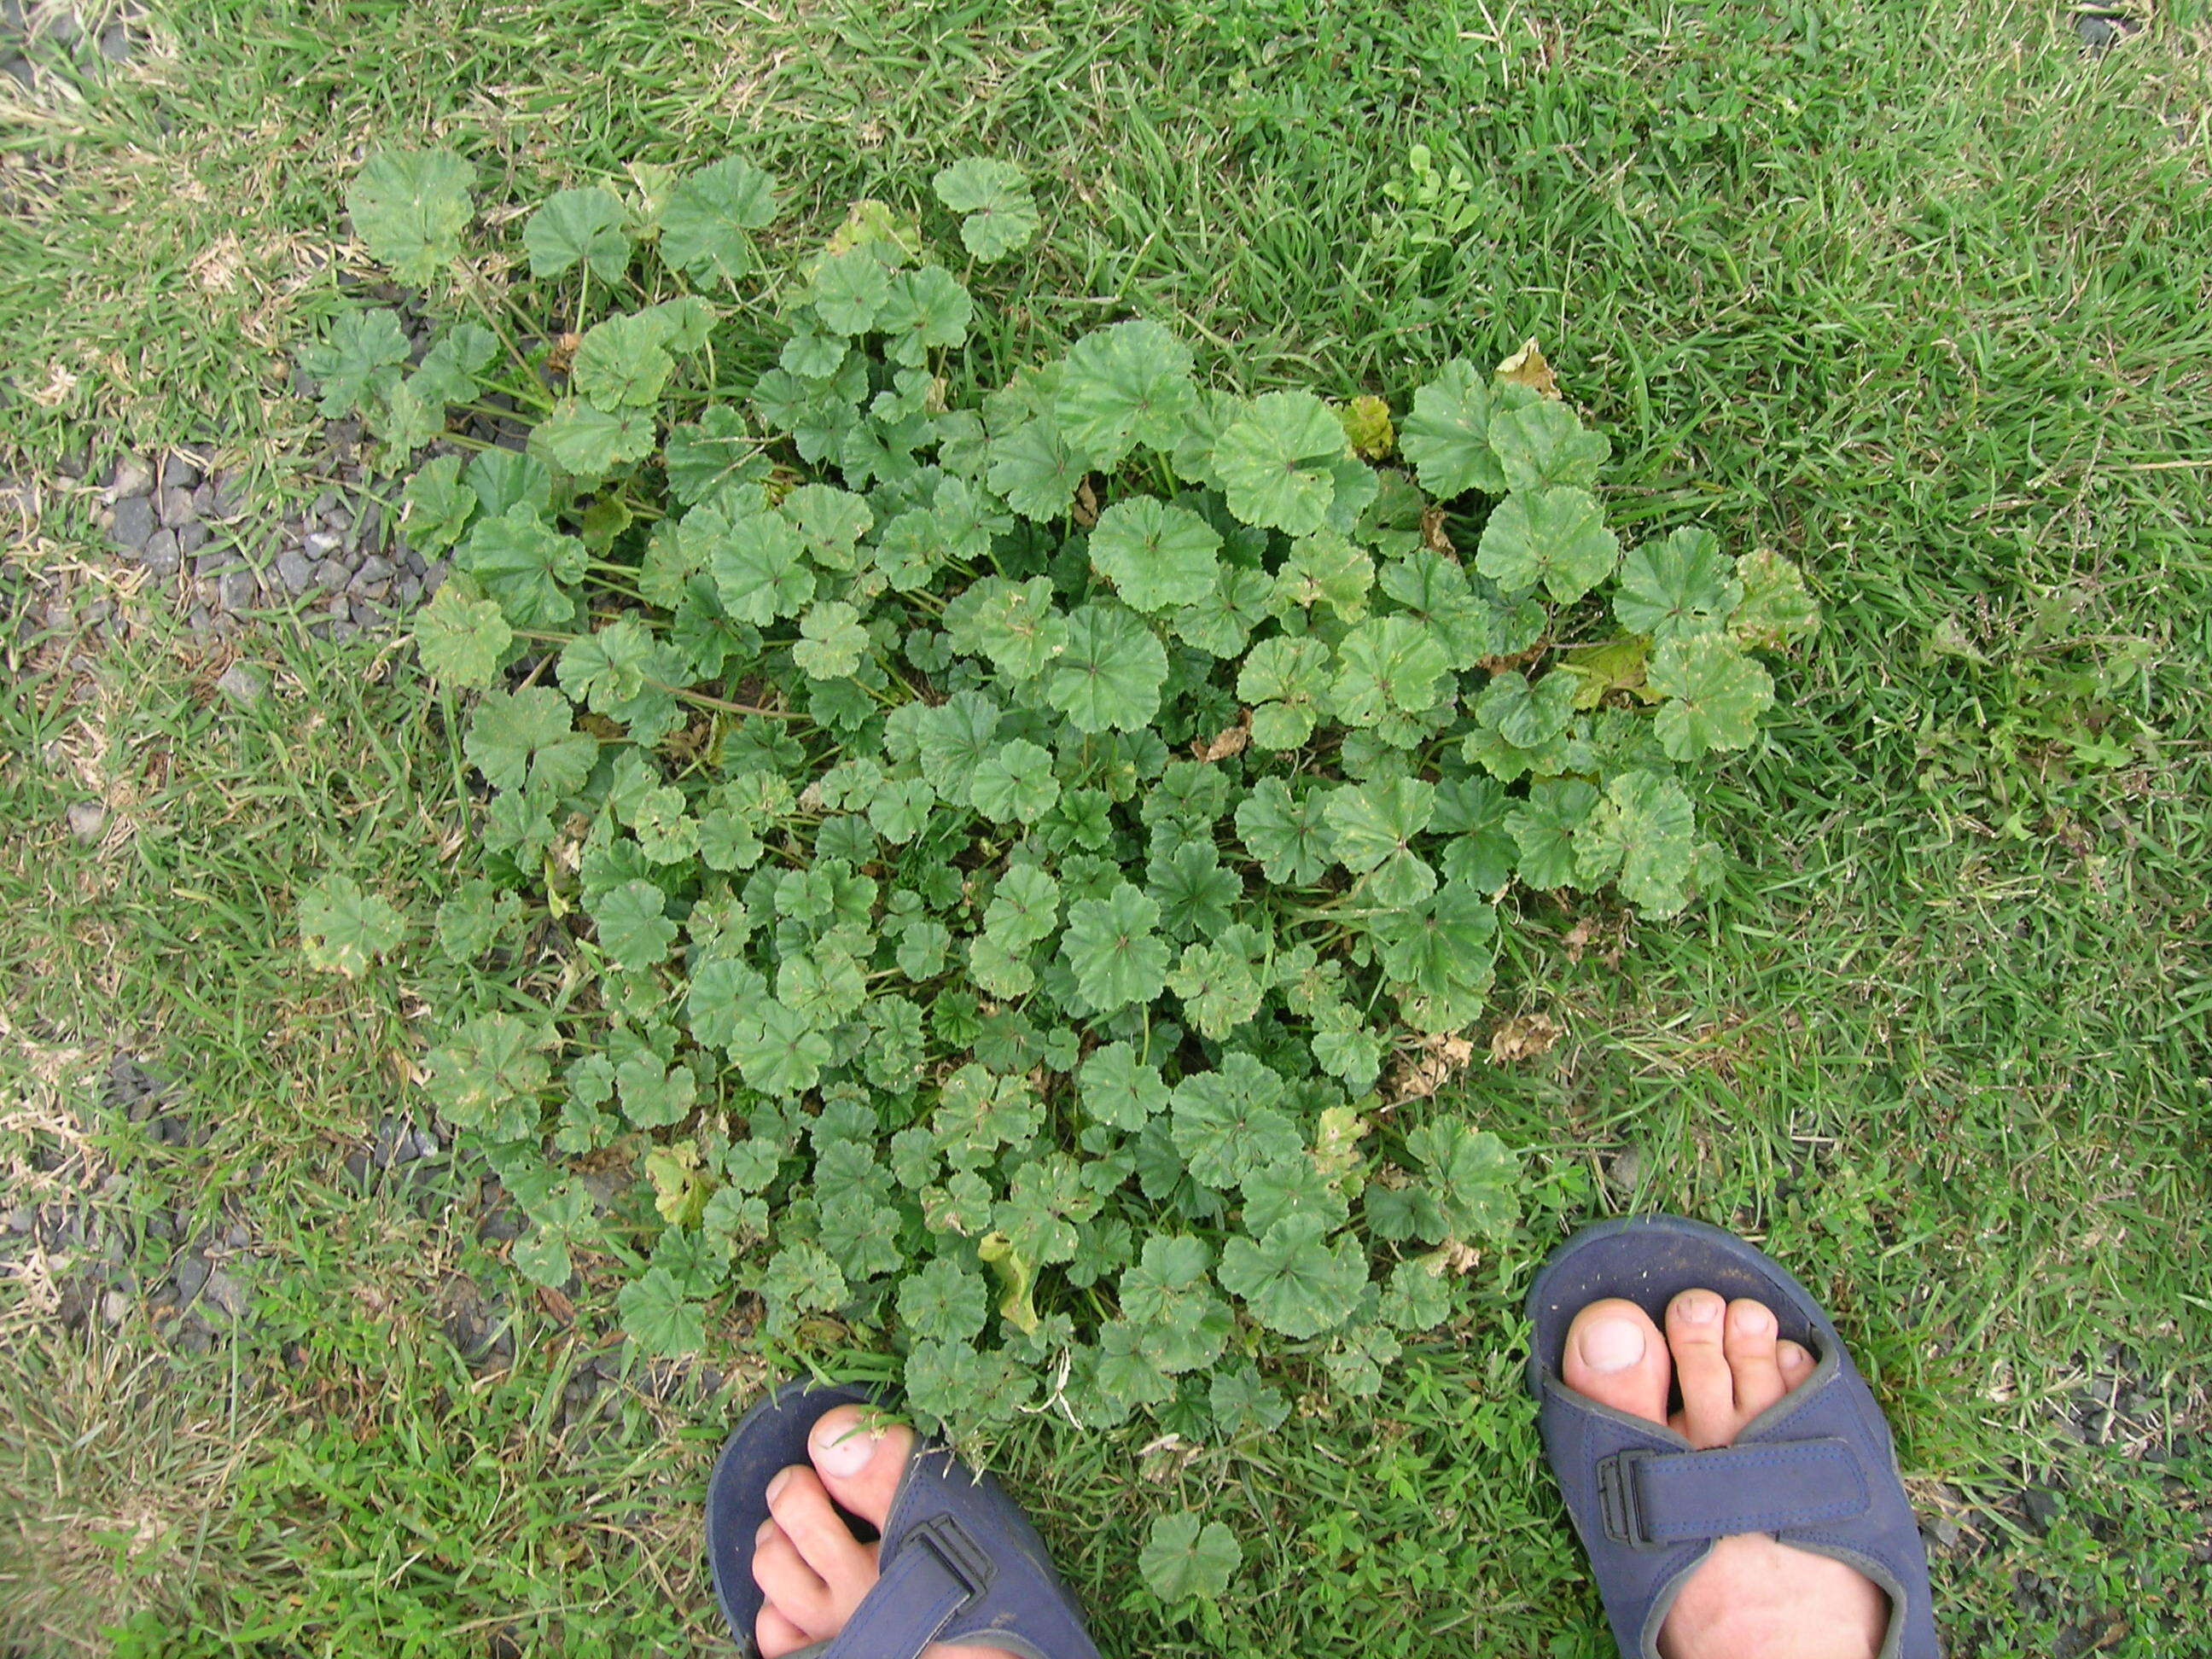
[563, 353]
[1527, 368]
[1086, 506]
[1432, 531]
[1423, 1071]
[1524, 1036]
[1229, 740]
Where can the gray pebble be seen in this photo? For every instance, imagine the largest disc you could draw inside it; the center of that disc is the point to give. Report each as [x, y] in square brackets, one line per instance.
[357, 1162]
[179, 472]
[343, 631]
[433, 579]
[22, 1219]
[214, 563]
[413, 561]
[1626, 1171]
[190, 1279]
[20, 70]
[1942, 1531]
[201, 620]
[2044, 1506]
[196, 1339]
[204, 501]
[237, 590]
[331, 573]
[238, 1235]
[115, 44]
[229, 496]
[409, 590]
[338, 520]
[131, 477]
[191, 535]
[374, 569]
[366, 616]
[86, 819]
[160, 555]
[224, 1291]
[336, 610]
[242, 683]
[371, 521]
[2097, 32]
[323, 503]
[295, 570]
[133, 522]
[114, 1307]
[320, 544]
[176, 506]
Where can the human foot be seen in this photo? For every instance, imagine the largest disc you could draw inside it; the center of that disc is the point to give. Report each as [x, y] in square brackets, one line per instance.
[1751, 1597]
[806, 1560]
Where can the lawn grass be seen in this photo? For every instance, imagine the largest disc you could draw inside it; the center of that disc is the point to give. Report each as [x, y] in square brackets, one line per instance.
[1916, 295]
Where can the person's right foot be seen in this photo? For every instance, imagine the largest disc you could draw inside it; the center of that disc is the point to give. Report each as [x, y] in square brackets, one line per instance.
[1752, 1597]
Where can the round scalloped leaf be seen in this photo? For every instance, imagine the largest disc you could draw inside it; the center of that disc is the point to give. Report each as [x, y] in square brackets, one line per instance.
[706, 228]
[1714, 695]
[1001, 215]
[1121, 1091]
[461, 641]
[1125, 384]
[1555, 537]
[1184, 1561]
[1277, 462]
[849, 291]
[1110, 945]
[622, 363]
[586, 442]
[526, 565]
[1543, 444]
[1642, 838]
[340, 927]
[578, 225]
[1545, 826]
[1293, 1281]
[1679, 586]
[1109, 674]
[1776, 611]
[1447, 437]
[1156, 555]
[831, 641]
[1033, 471]
[410, 207]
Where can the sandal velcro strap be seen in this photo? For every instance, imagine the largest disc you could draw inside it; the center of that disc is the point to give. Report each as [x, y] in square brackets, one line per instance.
[939, 1570]
[1651, 1500]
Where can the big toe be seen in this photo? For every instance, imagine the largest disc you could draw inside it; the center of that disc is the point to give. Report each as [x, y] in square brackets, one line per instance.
[1616, 1356]
[860, 1453]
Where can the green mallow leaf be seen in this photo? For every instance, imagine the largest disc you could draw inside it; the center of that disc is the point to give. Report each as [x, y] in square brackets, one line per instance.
[1640, 836]
[410, 207]
[1447, 437]
[1121, 1091]
[850, 290]
[1286, 680]
[1108, 675]
[1110, 947]
[1542, 444]
[1123, 385]
[1554, 537]
[706, 227]
[526, 565]
[1776, 612]
[1714, 695]
[945, 1301]
[343, 928]
[660, 1317]
[437, 506]
[1681, 585]
[1157, 556]
[461, 641]
[1184, 1560]
[1276, 462]
[1373, 828]
[924, 311]
[588, 442]
[1033, 469]
[1293, 1279]
[489, 1075]
[1545, 827]
[1001, 215]
[831, 641]
[1387, 664]
[1015, 785]
[1527, 715]
[578, 225]
[527, 741]
[1470, 1177]
[1289, 836]
[634, 929]
[359, 362]
[622, 364]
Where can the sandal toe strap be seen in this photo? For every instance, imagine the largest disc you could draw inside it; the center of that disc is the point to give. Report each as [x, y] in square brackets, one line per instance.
[1651, 1500]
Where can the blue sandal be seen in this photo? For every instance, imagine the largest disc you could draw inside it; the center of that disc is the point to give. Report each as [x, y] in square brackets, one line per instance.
[959, 1561]
[1816, 1469]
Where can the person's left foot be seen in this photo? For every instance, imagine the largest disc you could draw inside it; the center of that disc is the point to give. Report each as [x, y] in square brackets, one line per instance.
[807, 1561]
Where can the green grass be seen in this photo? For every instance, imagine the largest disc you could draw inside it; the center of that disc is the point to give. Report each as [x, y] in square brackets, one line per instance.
[1915, 295]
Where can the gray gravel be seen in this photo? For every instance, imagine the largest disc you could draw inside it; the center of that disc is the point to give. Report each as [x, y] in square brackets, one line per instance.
[190, 526]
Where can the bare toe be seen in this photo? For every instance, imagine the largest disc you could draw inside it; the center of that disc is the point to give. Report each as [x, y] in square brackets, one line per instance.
[802, 1509]
[776, 1634]
[859, 1455]
[1748, 1343]
[1694, 1320]
[1615, 1355]
[794, 1588]
[1795, 1364]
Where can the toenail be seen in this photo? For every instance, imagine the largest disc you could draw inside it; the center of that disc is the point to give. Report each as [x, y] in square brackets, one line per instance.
[1610, 1345]
[847, 1453]
[777, 1482]
[1697, 1309]
[1753, 1320]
